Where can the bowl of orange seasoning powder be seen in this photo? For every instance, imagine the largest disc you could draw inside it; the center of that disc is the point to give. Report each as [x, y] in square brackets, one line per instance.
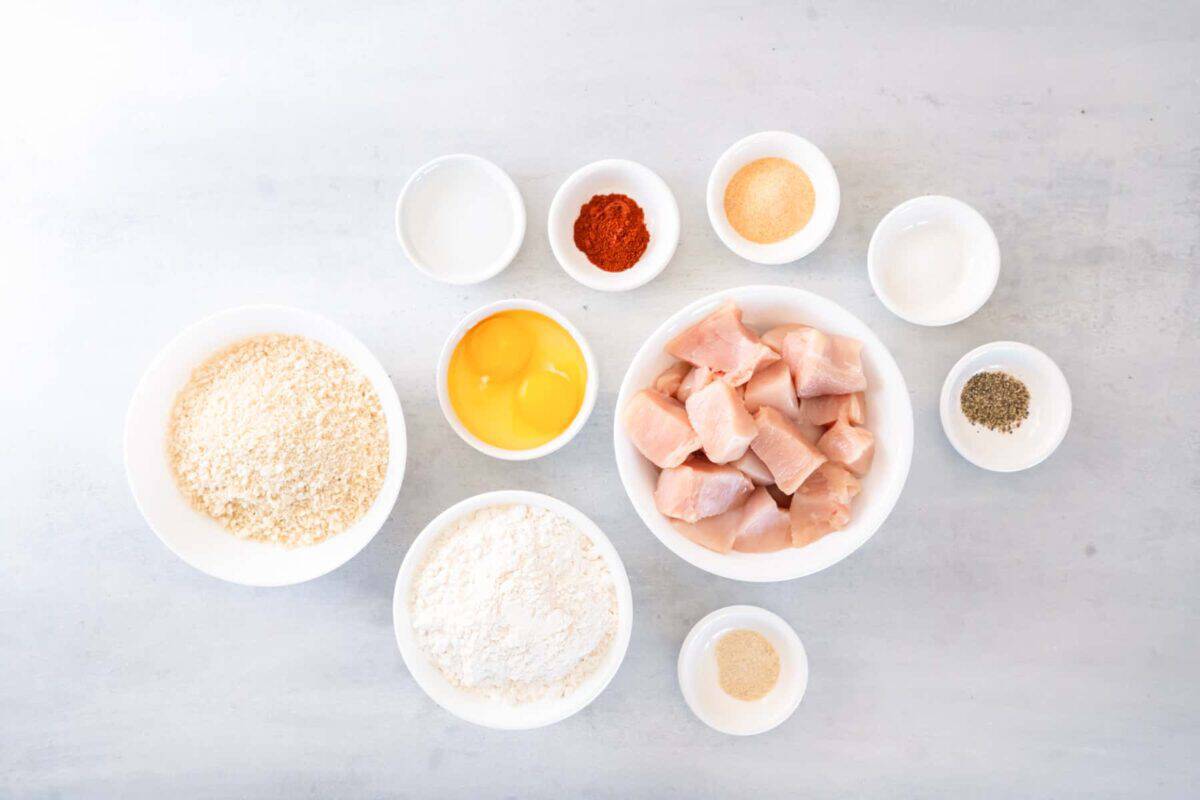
[773, 197]
[613, 225]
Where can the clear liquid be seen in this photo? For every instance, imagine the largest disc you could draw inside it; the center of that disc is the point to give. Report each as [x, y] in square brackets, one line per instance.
[926, 269]
[458, 219]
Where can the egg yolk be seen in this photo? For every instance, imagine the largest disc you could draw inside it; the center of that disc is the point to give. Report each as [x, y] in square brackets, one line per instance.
[517, 379]
[499, 348]
[547, 401]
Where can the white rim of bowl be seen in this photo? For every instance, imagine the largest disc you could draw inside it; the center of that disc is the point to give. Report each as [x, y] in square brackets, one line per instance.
[408, 567]
[714, 200]
[443, 392]
[516, 203]
[611, 281]
[946, 403]
[689, 643]
[389, 390]
[873, 271]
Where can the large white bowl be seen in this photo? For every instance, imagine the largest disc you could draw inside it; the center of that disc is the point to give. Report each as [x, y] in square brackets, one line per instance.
[494, 713]
[197, 538]
[889, 417]
[443, 389]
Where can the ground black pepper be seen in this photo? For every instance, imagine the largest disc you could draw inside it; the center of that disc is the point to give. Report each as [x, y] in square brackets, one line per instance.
[995, 400]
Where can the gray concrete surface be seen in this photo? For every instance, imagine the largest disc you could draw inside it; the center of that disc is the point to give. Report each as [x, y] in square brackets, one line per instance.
[1029, 635]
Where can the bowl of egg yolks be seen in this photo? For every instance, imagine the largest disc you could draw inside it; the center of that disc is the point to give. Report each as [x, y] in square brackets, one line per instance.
[516, 380]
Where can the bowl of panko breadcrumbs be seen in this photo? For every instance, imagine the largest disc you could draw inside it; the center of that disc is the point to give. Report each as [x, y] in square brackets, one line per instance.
[265, 445]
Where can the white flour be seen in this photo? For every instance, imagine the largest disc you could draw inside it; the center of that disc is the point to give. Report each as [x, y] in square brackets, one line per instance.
[514, 603]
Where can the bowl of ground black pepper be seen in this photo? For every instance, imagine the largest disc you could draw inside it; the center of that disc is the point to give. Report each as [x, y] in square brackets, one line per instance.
[1005, 406]
[614, 225]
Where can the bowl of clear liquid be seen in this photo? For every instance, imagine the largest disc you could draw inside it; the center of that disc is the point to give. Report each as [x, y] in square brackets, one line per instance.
[933, 260]
[460, 219]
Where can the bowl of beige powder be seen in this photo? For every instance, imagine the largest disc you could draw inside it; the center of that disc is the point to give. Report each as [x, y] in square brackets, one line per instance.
[265, 445]
[512, 610]
[773, 197]
[742, 670]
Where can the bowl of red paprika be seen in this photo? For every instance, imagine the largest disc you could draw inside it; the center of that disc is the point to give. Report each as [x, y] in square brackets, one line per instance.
[614, 225]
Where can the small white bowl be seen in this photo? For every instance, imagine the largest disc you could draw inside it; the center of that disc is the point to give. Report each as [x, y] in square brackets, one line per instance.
[494, 713]
[802, 153]
[614, 176]
[889, 418]
[443, 369]
[460, 219]
[197, 538]
[698, 675]
[909, 244]
[1049, 408]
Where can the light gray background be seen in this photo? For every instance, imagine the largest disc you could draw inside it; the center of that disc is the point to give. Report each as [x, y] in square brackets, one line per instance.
[1028, 635]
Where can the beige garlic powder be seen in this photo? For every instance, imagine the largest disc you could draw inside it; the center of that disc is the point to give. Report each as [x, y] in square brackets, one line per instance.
[279, 438]
[747, 664]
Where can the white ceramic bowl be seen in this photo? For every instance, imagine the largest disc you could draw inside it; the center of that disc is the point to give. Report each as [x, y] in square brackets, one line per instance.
[889, 417]
[698, 674]
[899, 255]
[460, 219]
[494, 713]
[1049, 408]
[804, 154]
[200, 540]
[443, 369]
[614, 176]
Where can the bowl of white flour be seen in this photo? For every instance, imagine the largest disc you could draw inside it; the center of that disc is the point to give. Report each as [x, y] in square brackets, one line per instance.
[512, 610]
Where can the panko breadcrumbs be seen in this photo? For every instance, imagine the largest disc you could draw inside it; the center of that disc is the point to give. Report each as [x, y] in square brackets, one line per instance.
[279, 438]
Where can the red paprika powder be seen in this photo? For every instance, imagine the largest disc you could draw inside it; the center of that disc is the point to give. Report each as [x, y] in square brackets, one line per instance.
[611, 232]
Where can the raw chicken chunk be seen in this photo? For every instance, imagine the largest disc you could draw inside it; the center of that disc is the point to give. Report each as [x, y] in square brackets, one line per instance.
[823, 364]
[696, 379]
[822, 504]
[772, 386]
[697, 489]
[774, 337]
[720, 418]
[715, 533]
[812, 433]
[849, 446]
[764, 527]
[658, 427]
[781, 445]
[669, 381]
[753, 468]
[721, 342]
[826, 409]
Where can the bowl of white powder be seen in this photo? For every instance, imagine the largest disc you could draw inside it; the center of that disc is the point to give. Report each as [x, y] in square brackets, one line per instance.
[265, 445]
[933, 260]
[512, 610]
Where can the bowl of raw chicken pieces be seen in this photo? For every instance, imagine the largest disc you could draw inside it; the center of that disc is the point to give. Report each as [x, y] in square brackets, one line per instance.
[763, 433]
